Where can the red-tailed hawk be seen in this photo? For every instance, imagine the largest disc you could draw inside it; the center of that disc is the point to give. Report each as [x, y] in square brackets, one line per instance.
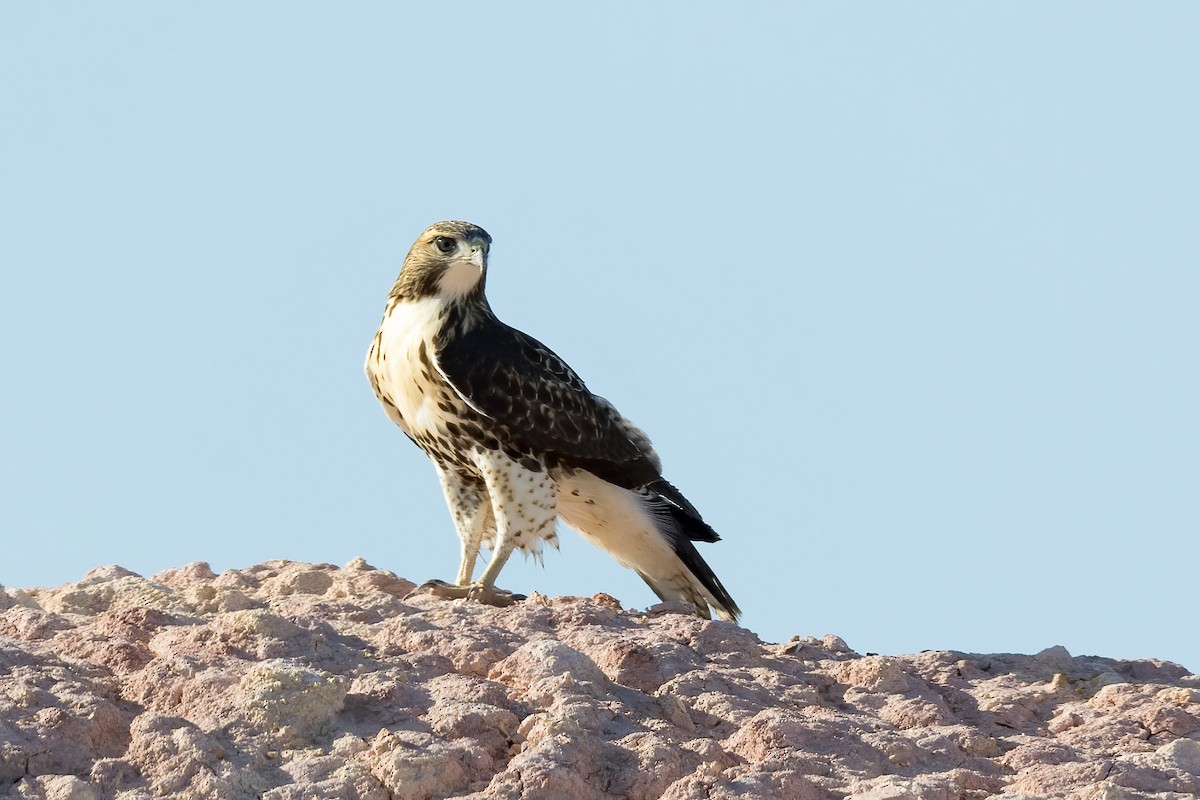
[518, 440]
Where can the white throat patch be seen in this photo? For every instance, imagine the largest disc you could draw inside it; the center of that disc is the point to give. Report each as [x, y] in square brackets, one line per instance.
[459, 278]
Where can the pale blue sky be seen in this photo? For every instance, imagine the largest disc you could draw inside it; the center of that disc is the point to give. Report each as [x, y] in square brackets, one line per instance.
[905, 294]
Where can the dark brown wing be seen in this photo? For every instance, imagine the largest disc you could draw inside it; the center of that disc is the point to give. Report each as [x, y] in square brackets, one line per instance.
[545, 410]
[543, 407]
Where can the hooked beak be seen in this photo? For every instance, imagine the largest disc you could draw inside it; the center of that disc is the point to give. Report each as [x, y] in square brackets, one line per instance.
[476, 256]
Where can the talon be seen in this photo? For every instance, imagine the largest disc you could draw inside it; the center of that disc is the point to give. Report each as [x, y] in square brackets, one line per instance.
[439, 588]
[490, 595]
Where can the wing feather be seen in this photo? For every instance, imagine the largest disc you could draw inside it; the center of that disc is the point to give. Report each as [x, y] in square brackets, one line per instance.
[543, 406]
[545, 410]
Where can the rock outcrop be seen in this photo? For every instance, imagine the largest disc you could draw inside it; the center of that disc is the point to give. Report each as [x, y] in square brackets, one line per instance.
[287, 681]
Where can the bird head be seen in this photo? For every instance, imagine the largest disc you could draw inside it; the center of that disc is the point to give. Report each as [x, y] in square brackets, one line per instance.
[448, 261]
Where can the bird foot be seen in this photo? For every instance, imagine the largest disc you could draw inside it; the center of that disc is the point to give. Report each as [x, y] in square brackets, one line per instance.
[488, 595]
[491, 596]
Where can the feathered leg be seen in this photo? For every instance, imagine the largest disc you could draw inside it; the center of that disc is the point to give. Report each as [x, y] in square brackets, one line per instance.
[523, 505]
[471, 510]
[467, 497]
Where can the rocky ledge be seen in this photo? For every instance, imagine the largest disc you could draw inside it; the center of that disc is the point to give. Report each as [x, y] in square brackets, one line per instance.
[290, 681]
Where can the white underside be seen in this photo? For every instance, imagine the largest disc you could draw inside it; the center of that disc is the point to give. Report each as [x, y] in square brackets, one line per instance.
[619, 522]
[615, 520]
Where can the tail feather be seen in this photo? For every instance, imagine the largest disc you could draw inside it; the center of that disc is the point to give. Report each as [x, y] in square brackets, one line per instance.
[666, 490]
[694, 528]
[680, 529]
[650, 529]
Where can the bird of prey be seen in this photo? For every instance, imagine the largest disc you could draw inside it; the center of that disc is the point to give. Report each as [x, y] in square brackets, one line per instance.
[518, 440]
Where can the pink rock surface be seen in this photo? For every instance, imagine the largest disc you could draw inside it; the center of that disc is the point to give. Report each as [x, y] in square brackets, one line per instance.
[287, 681]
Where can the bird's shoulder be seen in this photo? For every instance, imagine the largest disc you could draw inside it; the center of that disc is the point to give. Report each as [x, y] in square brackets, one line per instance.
[523, 385]
[504, 370]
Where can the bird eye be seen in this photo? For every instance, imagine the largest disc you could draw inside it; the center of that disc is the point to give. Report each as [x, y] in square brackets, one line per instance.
[444, 244]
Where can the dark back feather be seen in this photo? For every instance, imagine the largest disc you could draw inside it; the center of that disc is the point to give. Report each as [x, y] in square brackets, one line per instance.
[544, 408]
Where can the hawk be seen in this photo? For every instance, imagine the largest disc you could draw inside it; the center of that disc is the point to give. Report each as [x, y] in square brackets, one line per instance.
[518, 440]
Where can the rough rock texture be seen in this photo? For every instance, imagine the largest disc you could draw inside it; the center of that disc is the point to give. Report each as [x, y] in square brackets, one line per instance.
[287, 681]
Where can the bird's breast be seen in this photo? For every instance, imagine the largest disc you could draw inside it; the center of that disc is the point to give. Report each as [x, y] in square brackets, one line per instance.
[402, 367]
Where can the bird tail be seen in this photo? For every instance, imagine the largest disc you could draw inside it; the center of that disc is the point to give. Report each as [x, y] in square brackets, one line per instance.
[649, 529]
[680, 524]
